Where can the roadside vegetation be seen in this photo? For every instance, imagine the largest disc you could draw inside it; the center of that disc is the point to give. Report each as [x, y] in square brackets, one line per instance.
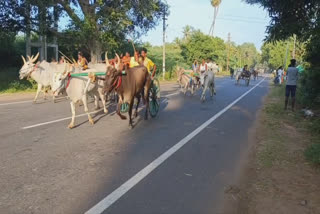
[283, 170]
[301, 42]
[282, 174]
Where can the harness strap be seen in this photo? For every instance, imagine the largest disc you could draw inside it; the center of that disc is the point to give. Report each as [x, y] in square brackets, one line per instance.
[34, 68]
[118, 82]
[69, 78]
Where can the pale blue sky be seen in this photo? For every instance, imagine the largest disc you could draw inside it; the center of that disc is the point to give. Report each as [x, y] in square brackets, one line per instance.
[246, 23]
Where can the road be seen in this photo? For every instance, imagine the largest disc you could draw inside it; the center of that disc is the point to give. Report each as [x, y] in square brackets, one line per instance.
[179, 162]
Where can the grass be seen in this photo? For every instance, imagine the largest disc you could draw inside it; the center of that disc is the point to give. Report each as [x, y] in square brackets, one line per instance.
[10, 82]
[312, 153]
[274, 149]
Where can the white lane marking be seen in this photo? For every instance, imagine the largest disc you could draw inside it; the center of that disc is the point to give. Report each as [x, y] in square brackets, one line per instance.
[66, 118]
[58, 120]
[29, 101]
[5, 104]
[169, 95]
[120, 191]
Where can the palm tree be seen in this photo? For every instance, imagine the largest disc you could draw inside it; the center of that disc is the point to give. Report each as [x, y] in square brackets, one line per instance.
[215, 4]
[187, 31]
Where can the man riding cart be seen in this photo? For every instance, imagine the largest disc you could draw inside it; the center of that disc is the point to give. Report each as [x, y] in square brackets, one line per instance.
[245, 75]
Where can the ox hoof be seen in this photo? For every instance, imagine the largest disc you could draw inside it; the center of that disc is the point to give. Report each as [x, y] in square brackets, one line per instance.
[130, 126]
[105, 111]
[123, 117]
[135, 115]
[70, 126]
[91, 121]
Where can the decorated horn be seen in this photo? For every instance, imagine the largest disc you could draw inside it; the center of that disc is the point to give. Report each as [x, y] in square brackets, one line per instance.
[106, 58]
[36, 57]
[24, 60]
[118, 63]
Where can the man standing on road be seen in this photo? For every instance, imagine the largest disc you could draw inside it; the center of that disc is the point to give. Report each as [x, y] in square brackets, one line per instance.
[291, 86]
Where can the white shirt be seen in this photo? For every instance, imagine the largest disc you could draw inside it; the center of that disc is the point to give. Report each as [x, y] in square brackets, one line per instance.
[203, 67]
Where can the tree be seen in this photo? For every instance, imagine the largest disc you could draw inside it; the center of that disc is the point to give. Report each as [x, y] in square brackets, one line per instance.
[215, 4]
[103, 24]
[301, 18]
[248, 54]
[274, 53]
[187, 31]
[201, 46]
[289, 17]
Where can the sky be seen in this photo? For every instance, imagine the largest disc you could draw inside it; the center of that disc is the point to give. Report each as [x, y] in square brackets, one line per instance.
[246, 23]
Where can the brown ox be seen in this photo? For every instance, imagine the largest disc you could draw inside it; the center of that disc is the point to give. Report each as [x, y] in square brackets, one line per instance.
[134, 83]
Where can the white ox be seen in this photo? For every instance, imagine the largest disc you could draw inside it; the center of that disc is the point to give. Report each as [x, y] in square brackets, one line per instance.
[78, 88]
[41, 72]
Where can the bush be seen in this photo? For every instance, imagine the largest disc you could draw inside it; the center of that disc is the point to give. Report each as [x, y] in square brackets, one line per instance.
[10, 82]
[309, 88]
[312, 153]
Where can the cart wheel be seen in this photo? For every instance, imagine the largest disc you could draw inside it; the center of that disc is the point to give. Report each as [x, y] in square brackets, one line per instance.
[154, 103]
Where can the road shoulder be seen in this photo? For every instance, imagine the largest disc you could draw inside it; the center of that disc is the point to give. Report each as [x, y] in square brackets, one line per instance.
[274, 176]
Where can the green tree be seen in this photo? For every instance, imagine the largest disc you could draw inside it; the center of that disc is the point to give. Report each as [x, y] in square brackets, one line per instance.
[103, 24]
[248, 54]
[201, 46]
[301, 18]
[274, 53]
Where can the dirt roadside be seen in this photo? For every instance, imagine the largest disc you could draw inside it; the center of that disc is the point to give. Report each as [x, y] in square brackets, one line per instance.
[275, 176]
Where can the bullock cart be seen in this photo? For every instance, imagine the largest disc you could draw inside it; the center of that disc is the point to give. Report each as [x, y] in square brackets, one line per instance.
[154, 97]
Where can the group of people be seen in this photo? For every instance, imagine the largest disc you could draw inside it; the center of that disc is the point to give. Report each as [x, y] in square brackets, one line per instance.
[279, 75]
[139, 58]
[205, 66]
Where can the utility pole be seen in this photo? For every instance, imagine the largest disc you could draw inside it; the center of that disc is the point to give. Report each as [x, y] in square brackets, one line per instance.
[294, 46]
[164, 45]
[229, 38]
[285, 59]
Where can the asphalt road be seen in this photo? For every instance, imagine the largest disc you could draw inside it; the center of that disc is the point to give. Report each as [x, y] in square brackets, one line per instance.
[47, 168]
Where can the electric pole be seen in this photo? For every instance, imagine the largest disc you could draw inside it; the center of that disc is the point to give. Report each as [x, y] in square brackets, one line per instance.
[229, 38]
[286, 56]
[164, 45]
[294, 47]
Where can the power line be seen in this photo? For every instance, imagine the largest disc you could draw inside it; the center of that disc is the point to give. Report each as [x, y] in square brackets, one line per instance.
[239, 20]
[246, 17]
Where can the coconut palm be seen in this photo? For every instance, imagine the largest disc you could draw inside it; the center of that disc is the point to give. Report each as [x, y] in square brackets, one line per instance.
[215, 4]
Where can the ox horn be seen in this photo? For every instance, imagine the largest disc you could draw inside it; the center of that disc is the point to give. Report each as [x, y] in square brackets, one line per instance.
[29, 58]
[35, 58]
[24, 60]
[106, 58]
[118, 63]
